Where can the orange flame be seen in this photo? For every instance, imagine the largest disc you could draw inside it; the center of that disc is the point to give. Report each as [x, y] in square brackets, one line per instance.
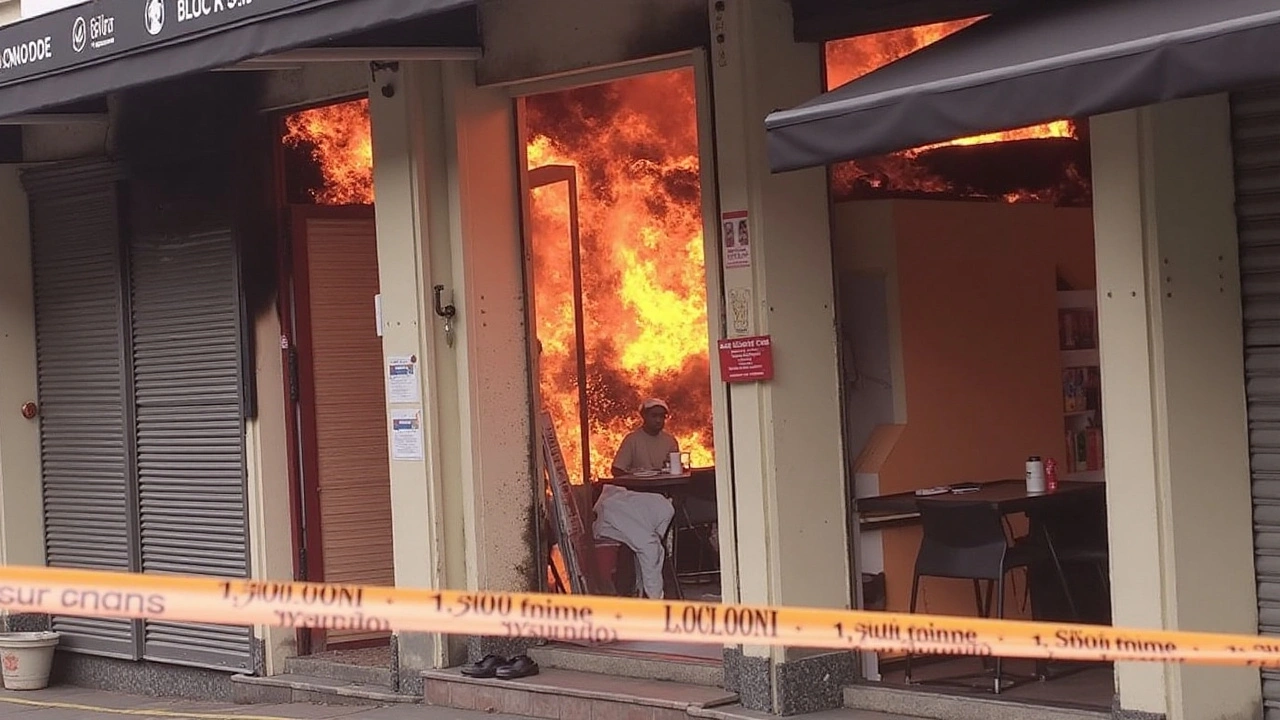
[341, 144]
[851, 58]
[633, 145]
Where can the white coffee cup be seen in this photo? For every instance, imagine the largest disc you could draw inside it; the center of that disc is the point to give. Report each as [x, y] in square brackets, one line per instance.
[676, 465]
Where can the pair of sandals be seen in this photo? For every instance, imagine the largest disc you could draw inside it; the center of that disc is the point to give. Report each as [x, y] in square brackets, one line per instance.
[496, 666]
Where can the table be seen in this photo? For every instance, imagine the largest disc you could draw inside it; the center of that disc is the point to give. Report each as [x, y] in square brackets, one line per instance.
[1048, 602]
[1010, 496]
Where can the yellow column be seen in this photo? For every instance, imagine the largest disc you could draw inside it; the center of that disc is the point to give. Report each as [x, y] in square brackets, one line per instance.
[787, 457]
[21, 503]
[408, 146]
[1173, 397]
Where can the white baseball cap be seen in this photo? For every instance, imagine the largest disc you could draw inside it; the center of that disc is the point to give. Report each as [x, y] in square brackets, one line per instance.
[654, 402]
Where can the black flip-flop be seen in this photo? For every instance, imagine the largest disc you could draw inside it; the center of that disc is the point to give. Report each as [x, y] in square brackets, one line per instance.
[485, 667]
[520, 666]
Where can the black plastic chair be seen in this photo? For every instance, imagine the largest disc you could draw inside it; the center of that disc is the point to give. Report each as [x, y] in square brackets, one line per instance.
[967, 541]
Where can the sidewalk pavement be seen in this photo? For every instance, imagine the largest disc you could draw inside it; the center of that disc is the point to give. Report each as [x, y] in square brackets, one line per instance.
[73, 703]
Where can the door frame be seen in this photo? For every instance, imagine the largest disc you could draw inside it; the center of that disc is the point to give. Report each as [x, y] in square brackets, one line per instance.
[698, 61]
[299, 392]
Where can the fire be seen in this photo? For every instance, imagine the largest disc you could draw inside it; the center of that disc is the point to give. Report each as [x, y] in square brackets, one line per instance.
[339, 137]
[633, 147]
[851, 58]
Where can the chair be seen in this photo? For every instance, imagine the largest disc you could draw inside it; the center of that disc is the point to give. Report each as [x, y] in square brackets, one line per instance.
[967, 541]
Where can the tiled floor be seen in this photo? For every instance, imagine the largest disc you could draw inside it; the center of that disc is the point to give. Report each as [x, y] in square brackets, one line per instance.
[1091, 686]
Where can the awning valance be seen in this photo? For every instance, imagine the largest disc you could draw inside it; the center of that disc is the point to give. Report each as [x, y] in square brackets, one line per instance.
[1021, 67]
[107, 45]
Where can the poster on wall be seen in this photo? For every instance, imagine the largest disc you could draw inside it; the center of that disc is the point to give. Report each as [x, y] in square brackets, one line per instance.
[406, 435]
[736, 239]
[748, 359]
[402, 379]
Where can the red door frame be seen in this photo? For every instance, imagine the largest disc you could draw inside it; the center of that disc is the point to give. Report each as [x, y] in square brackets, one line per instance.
[300, 420]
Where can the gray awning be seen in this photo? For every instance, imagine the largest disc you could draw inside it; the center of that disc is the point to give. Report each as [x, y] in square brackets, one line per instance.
[103, 46]
[1022, 67]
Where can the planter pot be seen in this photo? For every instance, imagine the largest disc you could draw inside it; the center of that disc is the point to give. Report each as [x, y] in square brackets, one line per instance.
[26, 659]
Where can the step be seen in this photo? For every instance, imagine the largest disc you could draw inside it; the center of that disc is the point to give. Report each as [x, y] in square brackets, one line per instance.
[642, 666]
[929, 703]
[737, 712]
[556, 693]
[289, 688]
[334, 670]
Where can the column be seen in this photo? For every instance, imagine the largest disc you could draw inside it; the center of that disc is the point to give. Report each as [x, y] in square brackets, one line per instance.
[270, 509]
[1179, 506]
[21, 503]
[788, 472]
[426, 493]
[491, 353]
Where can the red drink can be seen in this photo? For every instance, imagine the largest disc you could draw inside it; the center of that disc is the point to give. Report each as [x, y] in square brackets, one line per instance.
[1051, 474]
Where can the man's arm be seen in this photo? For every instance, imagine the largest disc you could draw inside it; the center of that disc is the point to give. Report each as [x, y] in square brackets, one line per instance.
[622, 462]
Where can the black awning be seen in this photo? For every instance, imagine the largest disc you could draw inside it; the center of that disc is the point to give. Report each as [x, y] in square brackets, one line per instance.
[1022, 67]
[107, 45]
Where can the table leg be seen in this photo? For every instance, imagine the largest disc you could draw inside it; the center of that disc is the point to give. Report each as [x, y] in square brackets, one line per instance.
[669, 566]
[1042, 666]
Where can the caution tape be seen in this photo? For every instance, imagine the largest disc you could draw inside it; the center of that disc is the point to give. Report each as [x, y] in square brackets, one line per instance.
[600, 619]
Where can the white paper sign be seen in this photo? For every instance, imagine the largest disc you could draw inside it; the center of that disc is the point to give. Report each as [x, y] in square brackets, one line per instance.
[406, 435]
[736, 239]
[402, 380]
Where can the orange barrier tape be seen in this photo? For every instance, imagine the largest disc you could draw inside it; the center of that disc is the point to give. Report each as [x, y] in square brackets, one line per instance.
[601, 619]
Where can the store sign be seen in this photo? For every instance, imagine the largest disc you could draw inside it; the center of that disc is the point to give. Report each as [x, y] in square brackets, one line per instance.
[90, 32]
[748, 359]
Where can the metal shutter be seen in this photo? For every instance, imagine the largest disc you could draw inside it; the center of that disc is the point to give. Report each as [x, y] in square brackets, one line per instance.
[83, 386]
[190, 430]
[1256, 140]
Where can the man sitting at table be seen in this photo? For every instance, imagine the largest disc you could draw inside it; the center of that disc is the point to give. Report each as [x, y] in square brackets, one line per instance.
[648, 447]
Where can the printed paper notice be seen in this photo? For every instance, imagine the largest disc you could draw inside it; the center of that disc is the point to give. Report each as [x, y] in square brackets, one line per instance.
[737, 239]
[402, 380]
[406, 435]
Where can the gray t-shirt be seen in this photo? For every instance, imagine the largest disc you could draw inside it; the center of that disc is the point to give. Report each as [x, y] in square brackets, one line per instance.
[641, 451]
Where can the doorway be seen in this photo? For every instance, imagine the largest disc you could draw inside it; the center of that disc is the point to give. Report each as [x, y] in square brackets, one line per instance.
[341, 469]
[971, 368]
[623, 280]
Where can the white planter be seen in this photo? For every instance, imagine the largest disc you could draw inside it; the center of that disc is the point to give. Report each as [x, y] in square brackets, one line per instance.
[26, 659]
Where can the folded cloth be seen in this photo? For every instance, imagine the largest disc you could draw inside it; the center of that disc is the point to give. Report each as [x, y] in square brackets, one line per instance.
[638, 520]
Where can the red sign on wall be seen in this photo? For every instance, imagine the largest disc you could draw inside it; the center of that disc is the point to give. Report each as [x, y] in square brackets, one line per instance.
[746, 359]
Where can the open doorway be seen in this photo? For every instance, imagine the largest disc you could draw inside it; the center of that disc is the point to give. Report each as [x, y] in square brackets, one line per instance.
[970, 363]
[341, 485]
[617, 271]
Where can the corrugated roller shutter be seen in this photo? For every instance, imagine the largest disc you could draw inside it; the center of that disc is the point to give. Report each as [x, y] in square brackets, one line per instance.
[1256, 131]
[190, 431]
[83, 386]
